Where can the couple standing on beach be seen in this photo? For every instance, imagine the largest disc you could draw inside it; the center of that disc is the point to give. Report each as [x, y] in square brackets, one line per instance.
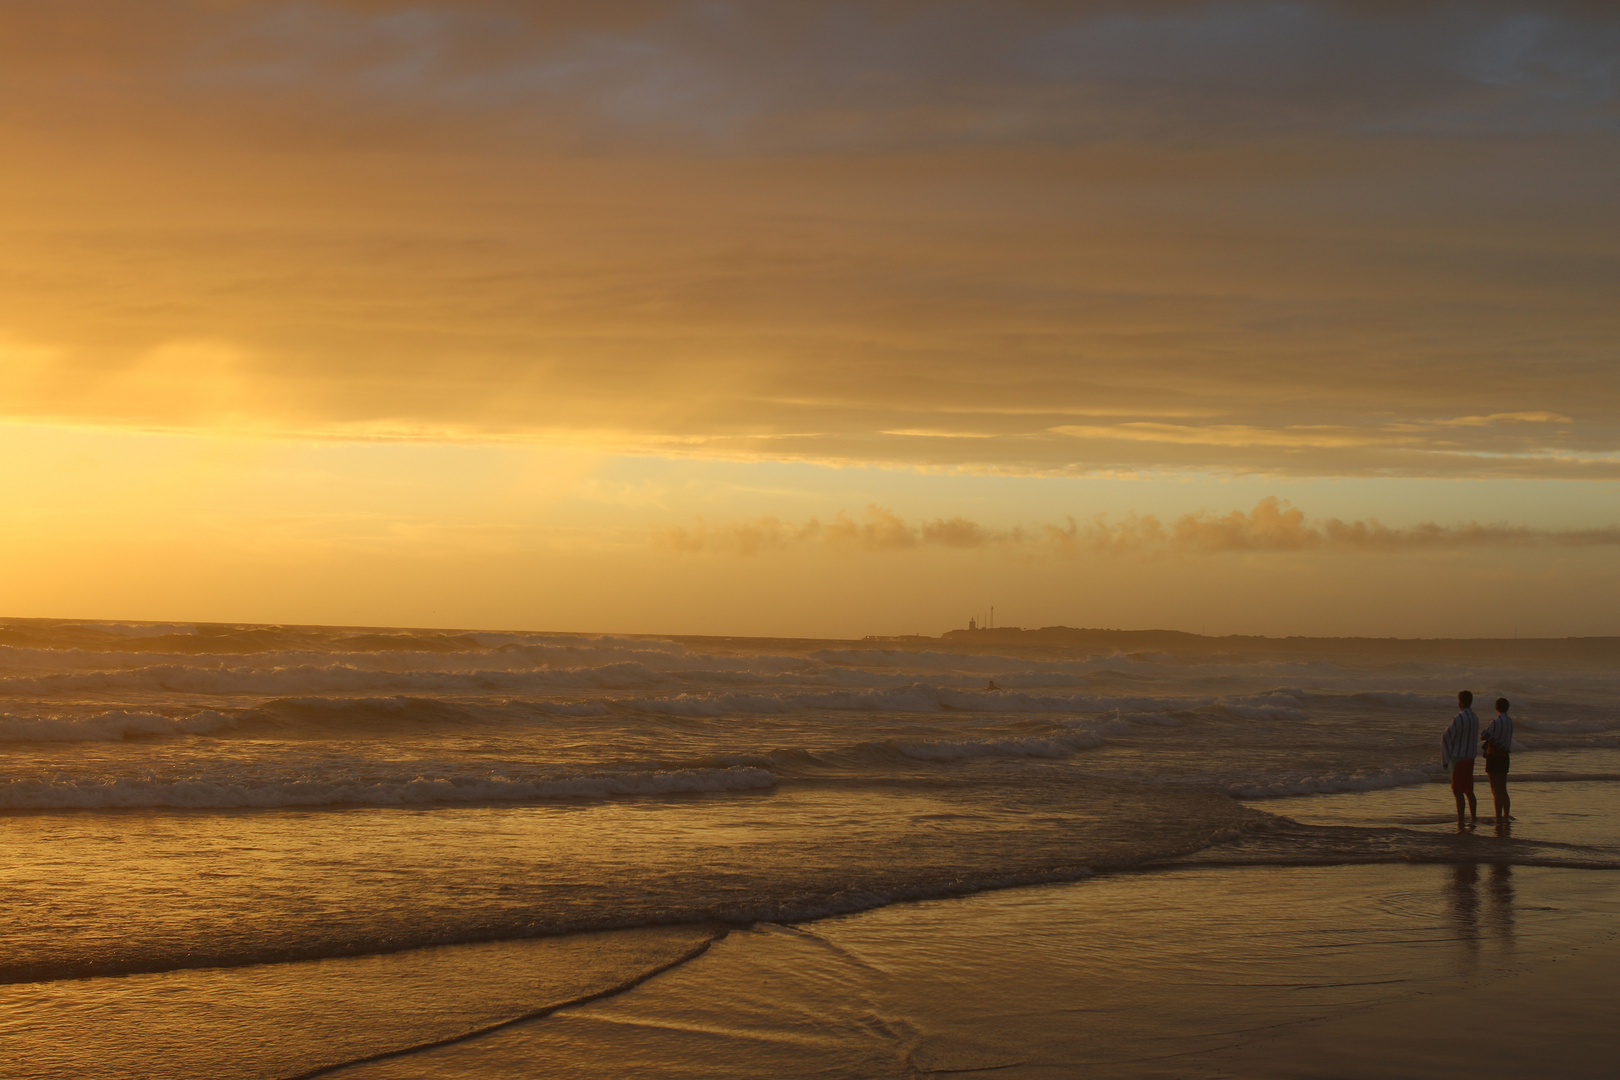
[1463, 741]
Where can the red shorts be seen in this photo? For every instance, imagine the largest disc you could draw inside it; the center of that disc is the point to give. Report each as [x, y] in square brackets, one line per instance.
[1462, 776]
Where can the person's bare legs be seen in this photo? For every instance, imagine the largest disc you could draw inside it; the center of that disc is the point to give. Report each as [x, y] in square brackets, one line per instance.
[1499, 796]
[1473, 809]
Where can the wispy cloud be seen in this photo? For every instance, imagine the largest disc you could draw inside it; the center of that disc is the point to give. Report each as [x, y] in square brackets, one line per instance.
[1298, 436]
[1497, 418]
[1273, 526]
[875, 529]
[747, 538]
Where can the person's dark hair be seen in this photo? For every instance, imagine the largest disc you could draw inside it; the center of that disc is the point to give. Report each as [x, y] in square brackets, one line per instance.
[1465, 698]
[1501, 704]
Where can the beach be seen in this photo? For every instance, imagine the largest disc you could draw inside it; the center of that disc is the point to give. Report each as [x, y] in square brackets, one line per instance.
[1365, 971]
[272, 851]
[729, 540]
[1350, 971]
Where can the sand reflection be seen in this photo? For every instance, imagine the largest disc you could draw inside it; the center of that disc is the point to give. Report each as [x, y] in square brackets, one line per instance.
[1475, 911]
[1499, 903]
[1463, 905]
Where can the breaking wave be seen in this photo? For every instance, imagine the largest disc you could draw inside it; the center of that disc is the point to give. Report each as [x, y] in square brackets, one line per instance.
[1058, 746]
[1326, 785]
[227, 793]
[112, 725]
[1567, 727]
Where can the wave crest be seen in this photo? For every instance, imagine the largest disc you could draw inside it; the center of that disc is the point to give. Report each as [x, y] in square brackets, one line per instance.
[109, 726]
[1327, 785]
[191, 792]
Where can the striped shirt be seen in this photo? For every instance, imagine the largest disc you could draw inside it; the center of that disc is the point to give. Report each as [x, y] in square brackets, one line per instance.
[1500, 733]
[1461, 741]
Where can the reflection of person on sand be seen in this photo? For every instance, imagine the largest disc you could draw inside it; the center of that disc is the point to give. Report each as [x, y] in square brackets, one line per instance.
[1498, 744]
[1458, 747]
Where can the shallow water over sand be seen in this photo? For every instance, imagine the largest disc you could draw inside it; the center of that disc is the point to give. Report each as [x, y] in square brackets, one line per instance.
[1160, 975]
[1157, 974]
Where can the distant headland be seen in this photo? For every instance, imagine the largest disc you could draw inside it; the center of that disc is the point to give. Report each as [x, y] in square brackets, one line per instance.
[1070, 639]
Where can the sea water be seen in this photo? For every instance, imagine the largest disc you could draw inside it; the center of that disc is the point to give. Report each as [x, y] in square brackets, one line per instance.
[268, 800]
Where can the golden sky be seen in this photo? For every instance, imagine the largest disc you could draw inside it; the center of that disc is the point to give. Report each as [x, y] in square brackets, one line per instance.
[812, 318]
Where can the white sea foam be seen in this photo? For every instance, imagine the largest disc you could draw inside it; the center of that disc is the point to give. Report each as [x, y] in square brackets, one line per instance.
[1154, 719]
[1026, 746]
[1323, 785]
[345, 678]
[405, 712]
[1567, 742]
[914, 698]
[137, 630]
[1260, 712]
[1396, 699]
[227, 793]
[107, 726]
[1566, 727]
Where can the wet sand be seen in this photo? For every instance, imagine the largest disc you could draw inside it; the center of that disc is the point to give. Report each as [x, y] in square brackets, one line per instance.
[1556, 1020]
[1330, 971]
[1475, 967]
[282, 1020]
[1339, 971]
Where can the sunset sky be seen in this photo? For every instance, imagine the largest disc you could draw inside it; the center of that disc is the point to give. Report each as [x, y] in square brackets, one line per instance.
[812, 318]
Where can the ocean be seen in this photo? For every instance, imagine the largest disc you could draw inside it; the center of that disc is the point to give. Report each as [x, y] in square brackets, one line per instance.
[257, 803]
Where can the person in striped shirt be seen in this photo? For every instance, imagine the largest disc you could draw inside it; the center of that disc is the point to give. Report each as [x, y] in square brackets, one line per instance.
[1458, 747]
[1498, 744]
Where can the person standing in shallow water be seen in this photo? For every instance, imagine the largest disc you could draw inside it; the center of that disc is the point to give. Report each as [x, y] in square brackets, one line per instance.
[1498, 745]
[1458, 747]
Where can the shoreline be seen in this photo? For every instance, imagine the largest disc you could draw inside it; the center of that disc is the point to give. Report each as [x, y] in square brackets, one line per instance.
[1276, 841]
[472, 986]
[153, 996]
[747, 992]
[162, 1003]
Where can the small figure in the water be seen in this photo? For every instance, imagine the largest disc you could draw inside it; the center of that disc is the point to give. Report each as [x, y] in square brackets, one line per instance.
[992, 685]
[1458, 747]
[1498, 744]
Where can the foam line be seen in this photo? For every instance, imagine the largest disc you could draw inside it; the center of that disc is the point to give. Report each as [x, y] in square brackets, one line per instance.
[1331, 785]
[109, 726]
[193, 793]
[536, 1014]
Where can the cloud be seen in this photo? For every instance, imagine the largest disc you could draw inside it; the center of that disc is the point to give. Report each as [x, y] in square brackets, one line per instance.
[791, 75]
[1312, 239]
[745, 538]
[877, 529]
[882, 530]
[1273, 526]
[1497, 418]
[1245, 435]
